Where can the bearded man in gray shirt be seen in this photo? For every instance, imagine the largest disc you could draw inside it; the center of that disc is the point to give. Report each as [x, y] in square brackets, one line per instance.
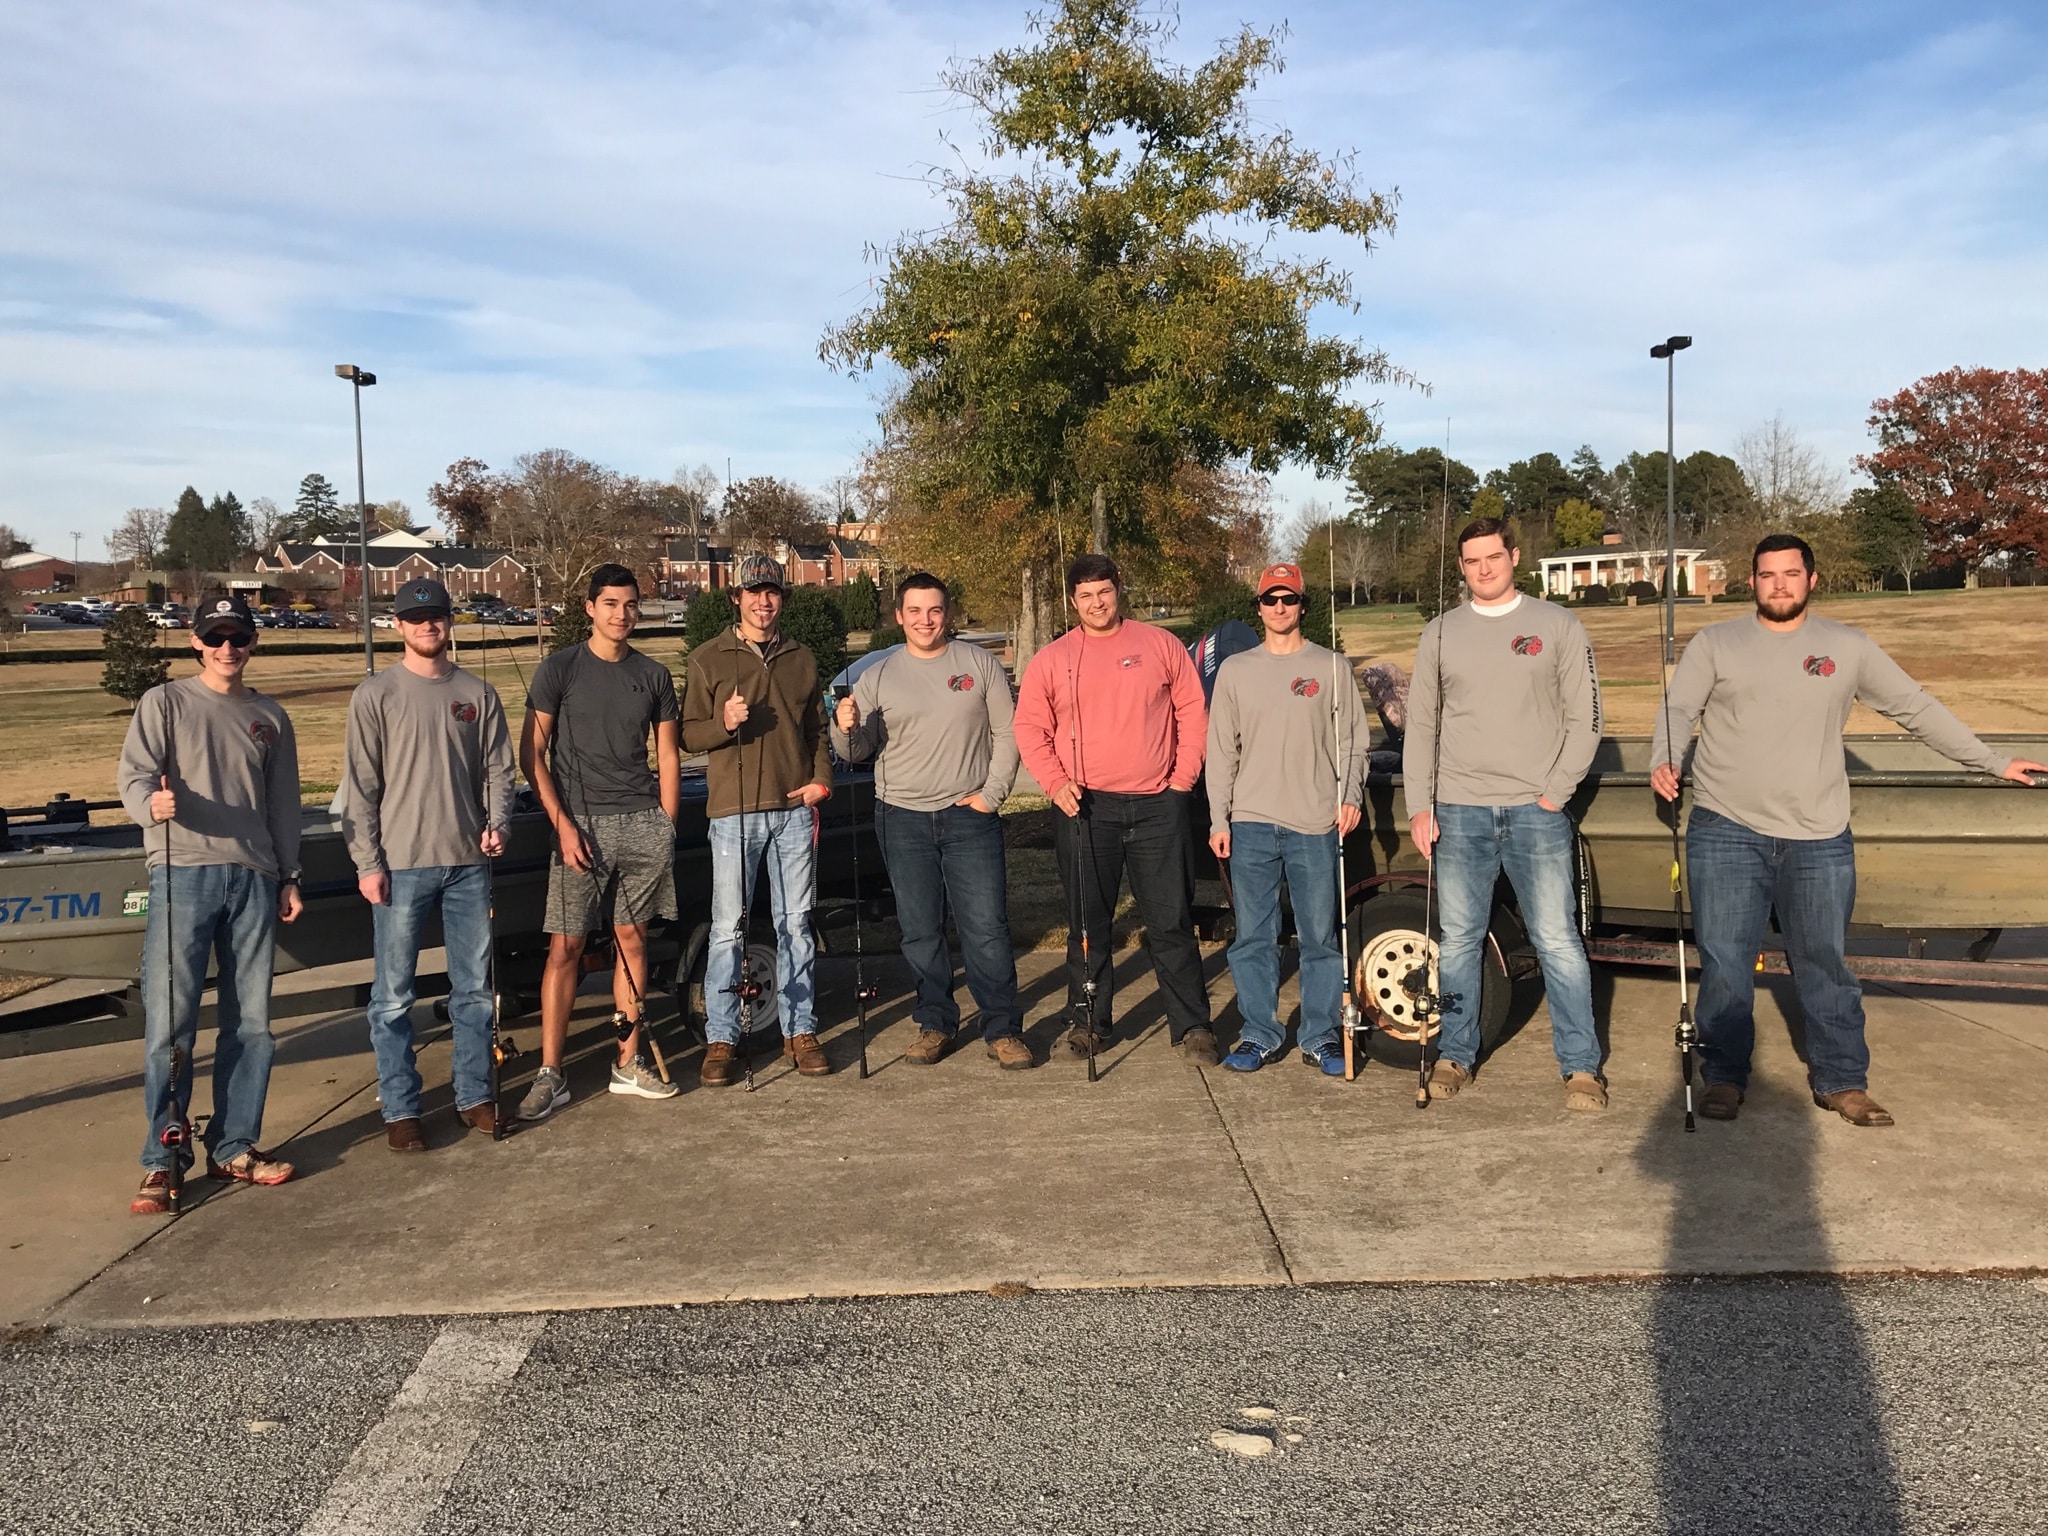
[1503, 721]
[429, 778]
[1770, 818]
[936, 718]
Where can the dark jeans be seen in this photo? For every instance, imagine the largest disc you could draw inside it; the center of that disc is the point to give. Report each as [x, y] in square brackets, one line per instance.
[1147, 834]
[1736, 878]
[953, 855]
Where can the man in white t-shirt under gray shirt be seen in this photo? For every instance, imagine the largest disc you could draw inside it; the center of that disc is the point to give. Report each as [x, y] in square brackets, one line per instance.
[428, 766]
[1288, 741]
[936, 719]
[1503, 721]
[1769, 828]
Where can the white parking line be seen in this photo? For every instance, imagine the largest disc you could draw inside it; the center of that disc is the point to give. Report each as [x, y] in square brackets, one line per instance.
[403, 1468]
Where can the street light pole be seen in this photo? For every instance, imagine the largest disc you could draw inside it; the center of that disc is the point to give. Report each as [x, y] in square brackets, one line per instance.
[361, 381]
[1667, 351]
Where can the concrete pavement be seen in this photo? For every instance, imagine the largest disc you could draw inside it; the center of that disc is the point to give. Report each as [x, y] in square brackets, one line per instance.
[960, 1177]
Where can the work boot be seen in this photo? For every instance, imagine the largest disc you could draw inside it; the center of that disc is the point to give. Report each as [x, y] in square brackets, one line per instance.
[931, 1044]
[1721, 1101]
[720, 1066]
[1585, 1093]
[550, 1091]
[808, 1054]
[1854, 1106]
[254, 1166]
[154, 1198]
[481, 1117]
[1011, 1053]
[1446, 1078]
[1198, 1047]
[404, 1135]
[1086, 1042]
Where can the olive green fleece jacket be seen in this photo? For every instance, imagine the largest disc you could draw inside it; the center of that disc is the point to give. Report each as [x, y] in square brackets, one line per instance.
[782, 744]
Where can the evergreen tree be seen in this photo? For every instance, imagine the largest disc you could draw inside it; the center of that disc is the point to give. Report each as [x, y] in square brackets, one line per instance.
[709, 614]
[135, 662]
[861, 602]
[317, 513]
[812, 619]
[229, 526]
[571, 626]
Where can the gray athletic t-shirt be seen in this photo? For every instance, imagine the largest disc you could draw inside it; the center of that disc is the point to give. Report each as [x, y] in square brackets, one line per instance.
[425, 756]
[603, 713]
[1274, 723]
[939, 728]
[1771, 705]
[1520, 708]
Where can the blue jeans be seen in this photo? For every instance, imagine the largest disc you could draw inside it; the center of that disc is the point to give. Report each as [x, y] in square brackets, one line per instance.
[955, 855]
[1260, 853]
[463, 893]
[1534, 847]
[788, 839]
[196, 911]
[1737, 877]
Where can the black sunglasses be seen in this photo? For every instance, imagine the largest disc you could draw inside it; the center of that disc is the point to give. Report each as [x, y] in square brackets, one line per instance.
[1279, 599]
[236, 638]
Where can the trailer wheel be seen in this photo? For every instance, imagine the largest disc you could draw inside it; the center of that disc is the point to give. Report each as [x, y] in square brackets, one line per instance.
[695, 964]
[1388, 941]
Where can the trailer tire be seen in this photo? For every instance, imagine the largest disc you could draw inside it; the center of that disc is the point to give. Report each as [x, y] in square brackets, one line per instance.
[695, 965]
[1390, 927]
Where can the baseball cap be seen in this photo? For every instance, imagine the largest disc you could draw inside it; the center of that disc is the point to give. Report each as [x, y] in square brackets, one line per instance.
[1279, 578]
[422, 599]
[224, 611]
[759, 571]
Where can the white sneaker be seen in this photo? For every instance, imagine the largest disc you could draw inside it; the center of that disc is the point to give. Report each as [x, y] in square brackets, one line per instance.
[550, 1091]
[636, 1078]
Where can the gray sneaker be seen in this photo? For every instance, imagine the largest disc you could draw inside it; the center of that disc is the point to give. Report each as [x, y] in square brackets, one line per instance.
[638, 1079]
[550, 1091]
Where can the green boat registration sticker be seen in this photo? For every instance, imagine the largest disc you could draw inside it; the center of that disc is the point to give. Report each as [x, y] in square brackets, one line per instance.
[135, 903]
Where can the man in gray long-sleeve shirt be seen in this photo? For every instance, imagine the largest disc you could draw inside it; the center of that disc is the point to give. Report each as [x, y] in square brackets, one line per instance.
[936, 718]
[429, 794]
[213, 764]
[1288, 739]
[1770, 817]
[1503, 721]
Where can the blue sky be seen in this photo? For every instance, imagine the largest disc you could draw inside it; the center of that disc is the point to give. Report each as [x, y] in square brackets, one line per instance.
[620, 228]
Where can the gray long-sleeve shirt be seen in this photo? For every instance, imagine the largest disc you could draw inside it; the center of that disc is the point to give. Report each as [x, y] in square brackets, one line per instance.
[939, 729]
[425, 756]
[1519, 712]
[1274, 723]
[1771, 705]
[234, 765]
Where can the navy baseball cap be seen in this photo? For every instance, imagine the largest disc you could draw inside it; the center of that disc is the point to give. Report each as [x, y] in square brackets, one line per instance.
[225, 611]
[422, 600]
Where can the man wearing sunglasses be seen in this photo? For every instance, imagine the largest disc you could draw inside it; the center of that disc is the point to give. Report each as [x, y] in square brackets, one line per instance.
[1503, 721]
[429, 794]
[210, 770]
[1288, 739]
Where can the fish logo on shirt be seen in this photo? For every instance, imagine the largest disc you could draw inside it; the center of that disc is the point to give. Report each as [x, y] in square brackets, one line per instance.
[1820, 666]
[263, 733]
[961, 682]
[466, 713]
[1527, 645]
[1305, 687]
[1129, 661]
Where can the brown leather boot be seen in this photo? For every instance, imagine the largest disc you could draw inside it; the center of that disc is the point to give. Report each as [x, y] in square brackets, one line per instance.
[808, 1054]
[1198, 1047]
[1721, 1101]
[1854, 1106]
[404, 1136]
[931, 1044]
[481, 1117]
[1011, 1053]
[1447, 1080]
[720, 1065]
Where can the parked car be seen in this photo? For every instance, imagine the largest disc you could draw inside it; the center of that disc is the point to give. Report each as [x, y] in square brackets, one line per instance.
[320, 621]
[383, 621]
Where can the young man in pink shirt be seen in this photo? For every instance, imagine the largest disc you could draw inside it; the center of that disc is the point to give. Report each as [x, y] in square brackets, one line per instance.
[1111, 724]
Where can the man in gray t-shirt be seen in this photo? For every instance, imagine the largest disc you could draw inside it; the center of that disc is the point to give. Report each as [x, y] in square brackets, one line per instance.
[935, 718]
[1503, 721]
[1769, 828]
[428, 767]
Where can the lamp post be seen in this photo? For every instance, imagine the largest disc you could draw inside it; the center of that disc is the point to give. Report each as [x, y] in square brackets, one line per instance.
[1667, 351]
[360, 381]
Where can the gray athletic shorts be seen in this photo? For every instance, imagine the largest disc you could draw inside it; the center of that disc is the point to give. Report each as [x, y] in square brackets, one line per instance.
[633, 866]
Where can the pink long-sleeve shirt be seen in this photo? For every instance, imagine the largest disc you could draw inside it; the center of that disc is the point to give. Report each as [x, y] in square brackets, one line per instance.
[1137, 702]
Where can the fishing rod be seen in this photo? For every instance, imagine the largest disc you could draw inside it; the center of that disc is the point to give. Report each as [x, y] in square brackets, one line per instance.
[176, 1136]
[1687, 1036]
[863, 993]
[1349, 1018]
[1080, 900]
[1421, 983]
[744, 987]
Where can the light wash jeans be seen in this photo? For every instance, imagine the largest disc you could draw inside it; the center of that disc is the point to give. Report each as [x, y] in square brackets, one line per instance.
[230, 913]
[1737, 878]
[1534, 847]
[463, 893]
[1260, 853]
[788, 840]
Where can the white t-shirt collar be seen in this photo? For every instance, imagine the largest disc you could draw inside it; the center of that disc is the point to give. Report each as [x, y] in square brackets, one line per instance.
[1498, 610]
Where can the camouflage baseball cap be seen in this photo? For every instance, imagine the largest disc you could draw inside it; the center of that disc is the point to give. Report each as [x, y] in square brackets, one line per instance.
[758, 571]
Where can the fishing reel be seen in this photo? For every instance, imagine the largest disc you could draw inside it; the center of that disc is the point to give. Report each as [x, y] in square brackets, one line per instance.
[867, 993]
[746, 989]
[504, 1049]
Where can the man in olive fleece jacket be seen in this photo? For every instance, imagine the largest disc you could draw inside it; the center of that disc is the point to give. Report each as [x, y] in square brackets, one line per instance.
[753, 706]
